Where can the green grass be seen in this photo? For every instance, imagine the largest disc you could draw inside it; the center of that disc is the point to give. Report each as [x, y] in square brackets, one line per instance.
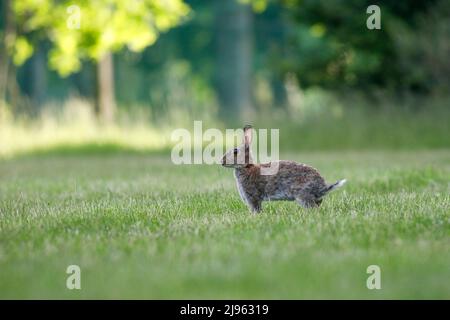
[140, 227]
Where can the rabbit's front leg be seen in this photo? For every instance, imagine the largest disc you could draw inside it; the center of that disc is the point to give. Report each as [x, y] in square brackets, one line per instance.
[254, 203]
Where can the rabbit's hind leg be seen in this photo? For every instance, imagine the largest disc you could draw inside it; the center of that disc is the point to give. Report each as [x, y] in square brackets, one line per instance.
[308, 201]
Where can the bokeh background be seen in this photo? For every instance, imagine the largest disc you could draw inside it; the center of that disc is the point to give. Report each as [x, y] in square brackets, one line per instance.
[122, 74]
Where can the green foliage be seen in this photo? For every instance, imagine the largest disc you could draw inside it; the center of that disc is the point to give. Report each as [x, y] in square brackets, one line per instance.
[322, 43]
[425, 50]
[22, 50]
[88, 29]
[329, 45]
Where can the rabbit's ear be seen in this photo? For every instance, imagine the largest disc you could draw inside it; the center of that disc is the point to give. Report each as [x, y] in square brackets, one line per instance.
[248, 134]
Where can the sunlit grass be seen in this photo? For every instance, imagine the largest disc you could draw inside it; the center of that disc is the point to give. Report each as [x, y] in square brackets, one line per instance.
[75, 126]
[141, 227]
[320, 124]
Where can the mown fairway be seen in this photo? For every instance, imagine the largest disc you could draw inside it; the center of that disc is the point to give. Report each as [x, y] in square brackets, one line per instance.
[140, 227]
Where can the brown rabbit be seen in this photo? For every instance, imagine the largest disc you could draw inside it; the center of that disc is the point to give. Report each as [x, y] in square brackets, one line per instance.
[292, 181]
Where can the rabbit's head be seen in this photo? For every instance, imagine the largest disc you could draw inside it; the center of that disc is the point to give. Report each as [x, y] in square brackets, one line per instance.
[240, 156]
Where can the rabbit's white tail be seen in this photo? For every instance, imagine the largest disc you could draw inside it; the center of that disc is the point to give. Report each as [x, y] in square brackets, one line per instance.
[335, 185]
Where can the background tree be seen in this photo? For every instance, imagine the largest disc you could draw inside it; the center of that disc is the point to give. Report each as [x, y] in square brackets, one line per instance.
[234, 53]
[7, 34]
[225, 58]
[92, 30]
[330, 45]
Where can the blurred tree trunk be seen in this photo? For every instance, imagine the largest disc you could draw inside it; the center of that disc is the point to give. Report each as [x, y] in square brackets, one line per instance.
[279, 92]
[106, 104]
[34, 80]
[13, 88]
[8, 37]
[234, 58]
[38, 78]
[278, 23]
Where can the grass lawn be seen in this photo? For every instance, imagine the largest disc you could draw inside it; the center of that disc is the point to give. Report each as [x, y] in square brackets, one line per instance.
[140, 227]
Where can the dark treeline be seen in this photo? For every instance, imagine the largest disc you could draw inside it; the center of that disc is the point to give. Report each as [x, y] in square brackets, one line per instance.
[221, 51]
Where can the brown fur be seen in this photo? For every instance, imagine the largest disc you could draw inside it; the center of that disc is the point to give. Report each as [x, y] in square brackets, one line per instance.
[292, 181]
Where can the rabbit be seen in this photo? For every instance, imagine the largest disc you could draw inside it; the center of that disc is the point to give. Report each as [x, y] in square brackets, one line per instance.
[292, 181]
